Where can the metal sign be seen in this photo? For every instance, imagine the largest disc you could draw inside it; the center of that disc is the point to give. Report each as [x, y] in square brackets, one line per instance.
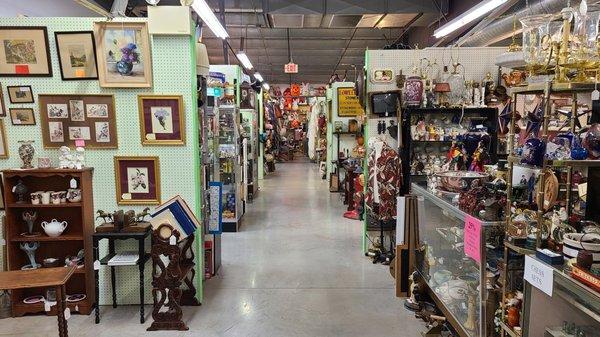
[290, 68]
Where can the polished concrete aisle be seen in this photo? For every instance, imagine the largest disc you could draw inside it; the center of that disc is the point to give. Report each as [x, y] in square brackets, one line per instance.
[295, 270]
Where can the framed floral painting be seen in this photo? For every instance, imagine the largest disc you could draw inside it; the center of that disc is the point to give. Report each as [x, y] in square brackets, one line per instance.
[137, 180]
[123, 54]
[24, 52]
[76, 55]
[161, 120]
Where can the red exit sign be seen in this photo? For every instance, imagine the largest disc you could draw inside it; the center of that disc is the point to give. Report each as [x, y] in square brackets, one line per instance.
[291, 68]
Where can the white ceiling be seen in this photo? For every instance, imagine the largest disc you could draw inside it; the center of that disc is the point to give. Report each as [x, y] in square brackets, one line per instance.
[43, 8]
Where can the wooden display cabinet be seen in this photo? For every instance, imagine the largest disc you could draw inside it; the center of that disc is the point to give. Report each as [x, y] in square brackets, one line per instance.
[77, 235]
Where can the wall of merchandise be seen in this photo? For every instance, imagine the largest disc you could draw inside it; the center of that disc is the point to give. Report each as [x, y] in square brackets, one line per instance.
[172, 73]
[346, 141]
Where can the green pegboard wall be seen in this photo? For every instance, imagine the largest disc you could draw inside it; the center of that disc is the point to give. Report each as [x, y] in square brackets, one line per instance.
[174, 72]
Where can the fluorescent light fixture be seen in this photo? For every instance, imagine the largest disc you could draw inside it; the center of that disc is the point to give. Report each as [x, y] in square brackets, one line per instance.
[208, 16]
[266, 86]
[258, 76]
[245, 60]
[472, 14]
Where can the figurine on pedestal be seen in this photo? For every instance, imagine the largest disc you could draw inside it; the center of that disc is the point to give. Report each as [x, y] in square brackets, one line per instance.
[29, 219]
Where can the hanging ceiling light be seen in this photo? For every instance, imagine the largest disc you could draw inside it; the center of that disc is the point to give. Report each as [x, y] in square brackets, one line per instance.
[258, 76]
[241, 55]
[208, 16]
[468, 16]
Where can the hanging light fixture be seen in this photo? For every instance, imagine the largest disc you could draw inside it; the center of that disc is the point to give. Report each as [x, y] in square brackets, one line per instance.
[258, 76]
[472, 14]
[241, 55]
[208, 16]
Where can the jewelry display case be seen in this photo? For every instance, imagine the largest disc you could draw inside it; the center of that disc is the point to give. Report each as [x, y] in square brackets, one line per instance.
[463, 288]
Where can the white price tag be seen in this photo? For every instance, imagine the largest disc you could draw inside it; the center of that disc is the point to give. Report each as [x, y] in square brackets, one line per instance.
[67, 313]
[126, 196]
[16, 121]
[595, 95]
[77, 308]
[172, 240]
[2, 242]
[73, 183]
[539, 275]
[23, 89]
[96, 265]
[47, 306]
[14, 189]
[151, 136]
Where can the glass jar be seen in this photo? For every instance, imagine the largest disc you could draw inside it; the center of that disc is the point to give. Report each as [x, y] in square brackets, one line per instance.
[457, 87]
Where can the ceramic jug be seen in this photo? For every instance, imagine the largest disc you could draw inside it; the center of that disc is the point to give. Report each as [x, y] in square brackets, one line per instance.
[54, 228]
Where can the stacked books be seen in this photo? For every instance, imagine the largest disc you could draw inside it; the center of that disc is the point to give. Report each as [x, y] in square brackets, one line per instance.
[178, 214]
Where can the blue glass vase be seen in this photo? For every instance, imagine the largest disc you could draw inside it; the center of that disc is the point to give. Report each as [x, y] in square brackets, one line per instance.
[124, 67]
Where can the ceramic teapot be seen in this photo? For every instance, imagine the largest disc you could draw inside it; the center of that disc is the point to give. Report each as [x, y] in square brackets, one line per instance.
[54, 228]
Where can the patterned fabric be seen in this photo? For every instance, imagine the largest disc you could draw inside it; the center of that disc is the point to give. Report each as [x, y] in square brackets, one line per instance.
[385, 171]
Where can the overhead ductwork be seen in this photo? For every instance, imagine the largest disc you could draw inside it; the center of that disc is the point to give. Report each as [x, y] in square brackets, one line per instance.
[503, 28]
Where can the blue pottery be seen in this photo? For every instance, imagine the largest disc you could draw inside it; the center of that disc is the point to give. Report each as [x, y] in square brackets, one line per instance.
[579, 153]
[533, 152]
[124, 67]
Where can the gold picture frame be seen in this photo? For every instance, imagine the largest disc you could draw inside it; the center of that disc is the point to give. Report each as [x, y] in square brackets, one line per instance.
[137, 180]
[168, 128]
[3, 142]
[115, 68]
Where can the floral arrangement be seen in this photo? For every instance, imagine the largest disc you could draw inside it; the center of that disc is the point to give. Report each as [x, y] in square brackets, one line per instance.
[161, 115]
[129, 53]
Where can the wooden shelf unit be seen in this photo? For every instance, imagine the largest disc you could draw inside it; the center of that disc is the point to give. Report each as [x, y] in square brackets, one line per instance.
[77, 235]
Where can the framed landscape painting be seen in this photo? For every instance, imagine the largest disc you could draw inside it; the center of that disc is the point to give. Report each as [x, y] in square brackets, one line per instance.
[161, 120]
[22, 116]
[137, 180]
[20, 94]
[24, 52]
[76, 55]
[123, 54]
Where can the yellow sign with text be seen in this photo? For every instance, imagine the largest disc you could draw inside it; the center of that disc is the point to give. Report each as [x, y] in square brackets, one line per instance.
[348, 103]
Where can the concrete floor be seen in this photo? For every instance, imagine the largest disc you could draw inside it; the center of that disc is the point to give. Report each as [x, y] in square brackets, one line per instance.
[295, 270]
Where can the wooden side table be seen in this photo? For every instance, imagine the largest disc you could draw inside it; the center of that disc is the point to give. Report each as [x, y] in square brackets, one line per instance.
[143, 257]
[42, 278]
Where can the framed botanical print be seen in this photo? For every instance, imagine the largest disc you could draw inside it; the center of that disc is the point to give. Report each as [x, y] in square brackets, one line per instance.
[76, 55]
[22, 116]
[20, 94]
[2, 103]
[137, 180]
[24, 52]
[123, 54]
[161, 120]
[67, 119]
[3, 142]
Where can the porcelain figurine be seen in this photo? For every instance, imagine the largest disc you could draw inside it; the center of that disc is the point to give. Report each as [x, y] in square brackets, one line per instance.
[79, 159]
[26, 152]
[20, 190]
[29, 218]
[65, 160]
[29, 248]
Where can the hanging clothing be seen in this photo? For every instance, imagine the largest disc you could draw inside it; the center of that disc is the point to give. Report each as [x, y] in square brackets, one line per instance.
[384, 181]
[313, 130]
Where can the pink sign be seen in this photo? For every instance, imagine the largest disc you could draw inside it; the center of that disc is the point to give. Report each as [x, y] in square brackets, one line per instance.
[80, 143]
[472, 238]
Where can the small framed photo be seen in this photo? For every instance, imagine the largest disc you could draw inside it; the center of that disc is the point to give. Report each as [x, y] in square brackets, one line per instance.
[20, 94]
[57, 132]
[22, 116]
[137, 180]
[57, 110]
[79, 133]
[76, 55]
[3, 143]
[76, 109]
[24, 52]
[161, 120]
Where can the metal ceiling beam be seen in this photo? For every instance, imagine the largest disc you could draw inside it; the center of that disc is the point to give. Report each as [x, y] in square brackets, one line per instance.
[407, 27]
[317, 38]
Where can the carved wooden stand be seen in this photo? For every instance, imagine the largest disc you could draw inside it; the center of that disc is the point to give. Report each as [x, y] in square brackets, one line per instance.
[167, 279]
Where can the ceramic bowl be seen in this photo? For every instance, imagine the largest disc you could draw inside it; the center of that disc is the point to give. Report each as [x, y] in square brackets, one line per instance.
[459, 181]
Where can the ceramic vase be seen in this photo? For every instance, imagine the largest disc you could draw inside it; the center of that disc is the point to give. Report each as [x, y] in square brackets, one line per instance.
[591, 141]
[26, 152]
[533, 152]
[124, 67]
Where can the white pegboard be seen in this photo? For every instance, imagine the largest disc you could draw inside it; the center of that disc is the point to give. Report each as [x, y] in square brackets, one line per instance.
[173, 73]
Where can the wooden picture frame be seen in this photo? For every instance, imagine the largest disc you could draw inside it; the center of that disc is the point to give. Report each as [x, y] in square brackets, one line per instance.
[3, 142]
[20, 94]
[76, 52]
[137, 180]
[69, 118]
[116, 70]
[22, 116]
[2, 103]
[168, 130]
[31, 57]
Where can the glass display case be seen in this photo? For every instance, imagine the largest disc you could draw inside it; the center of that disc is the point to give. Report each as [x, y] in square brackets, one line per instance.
[462, 287]
[250, 133]
[228, 170]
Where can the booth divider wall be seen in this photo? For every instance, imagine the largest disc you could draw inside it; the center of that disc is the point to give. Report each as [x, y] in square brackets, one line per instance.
[174, 73]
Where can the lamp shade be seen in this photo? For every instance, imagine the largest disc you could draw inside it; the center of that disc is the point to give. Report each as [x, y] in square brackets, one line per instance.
[202, 62]
[442, 87]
